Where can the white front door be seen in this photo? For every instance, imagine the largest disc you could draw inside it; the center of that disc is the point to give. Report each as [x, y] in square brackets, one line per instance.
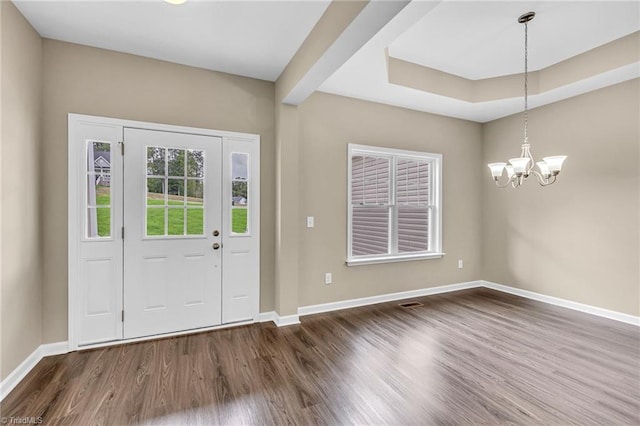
[172, 232]
[164, 236]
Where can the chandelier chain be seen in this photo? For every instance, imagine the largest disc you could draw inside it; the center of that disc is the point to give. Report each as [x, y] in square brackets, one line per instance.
[526, 82]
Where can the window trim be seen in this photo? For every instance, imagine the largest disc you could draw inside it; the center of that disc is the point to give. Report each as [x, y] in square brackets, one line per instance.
[435, 224]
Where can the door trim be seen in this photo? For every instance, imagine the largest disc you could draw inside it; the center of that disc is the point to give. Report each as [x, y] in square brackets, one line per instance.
[74, 218]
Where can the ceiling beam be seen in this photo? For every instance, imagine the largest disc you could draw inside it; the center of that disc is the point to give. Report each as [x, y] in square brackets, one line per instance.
[341, 31]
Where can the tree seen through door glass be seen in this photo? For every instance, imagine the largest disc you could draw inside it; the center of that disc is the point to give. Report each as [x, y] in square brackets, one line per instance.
[175, 198]
[195, 163]
[155, 161]
[239, 193]
[98, 221]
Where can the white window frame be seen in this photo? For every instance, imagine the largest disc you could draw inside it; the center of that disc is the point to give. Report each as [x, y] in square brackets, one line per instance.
[435, 203]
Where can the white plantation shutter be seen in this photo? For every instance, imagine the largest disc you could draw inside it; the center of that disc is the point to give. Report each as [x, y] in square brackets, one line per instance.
[370, 193]
[412, 199]
[393, 198]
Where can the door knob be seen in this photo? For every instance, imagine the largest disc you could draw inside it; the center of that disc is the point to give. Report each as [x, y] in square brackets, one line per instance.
[216, 246]
[216, 233]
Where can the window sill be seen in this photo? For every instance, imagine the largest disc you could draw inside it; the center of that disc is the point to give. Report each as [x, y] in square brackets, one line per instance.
[392, 259]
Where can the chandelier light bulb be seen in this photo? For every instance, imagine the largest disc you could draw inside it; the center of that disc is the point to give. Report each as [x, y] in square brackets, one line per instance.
[524, 166]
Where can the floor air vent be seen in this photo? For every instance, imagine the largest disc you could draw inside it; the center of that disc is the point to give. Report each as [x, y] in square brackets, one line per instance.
[410, 305]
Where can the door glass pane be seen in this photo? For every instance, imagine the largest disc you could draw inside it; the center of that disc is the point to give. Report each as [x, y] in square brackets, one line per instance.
[155, 161]
[195, 221]
[176, 221]
[239, 193]
[103, 189]
[195, 163]
[98, 190]
[195, 192]
[155, 220]
[175, 191]
[98, 222]
[239, 166]
[99, 156]
[104, 222]
[155, 191]
[239, 202]
[175, 162]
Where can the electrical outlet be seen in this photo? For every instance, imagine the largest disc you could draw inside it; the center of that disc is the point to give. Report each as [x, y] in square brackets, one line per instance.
[460, 264]
[310, 223]
[328, 278]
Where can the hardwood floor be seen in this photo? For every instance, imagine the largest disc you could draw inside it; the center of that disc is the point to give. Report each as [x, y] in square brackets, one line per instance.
[470, 357]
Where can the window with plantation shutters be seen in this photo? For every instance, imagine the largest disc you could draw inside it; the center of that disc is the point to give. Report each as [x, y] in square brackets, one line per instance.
[370, 200]
[394, 205]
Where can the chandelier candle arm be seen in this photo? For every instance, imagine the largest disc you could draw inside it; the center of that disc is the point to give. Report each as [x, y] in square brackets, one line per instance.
[522, 167]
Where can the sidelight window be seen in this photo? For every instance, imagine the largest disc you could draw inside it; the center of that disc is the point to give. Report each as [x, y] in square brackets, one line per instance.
[240, 193]
[98, 192]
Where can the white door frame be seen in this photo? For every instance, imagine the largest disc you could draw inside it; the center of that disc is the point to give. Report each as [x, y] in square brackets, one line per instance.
[231, 140]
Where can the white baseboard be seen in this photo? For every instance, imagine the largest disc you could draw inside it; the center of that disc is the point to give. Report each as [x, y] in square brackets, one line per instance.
[27, 365]
[280, 321]
[267, 316]
[589, 309]
[285, 320]
[390, 297]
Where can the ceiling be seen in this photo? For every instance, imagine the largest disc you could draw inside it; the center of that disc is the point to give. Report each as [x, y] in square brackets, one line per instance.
[483, 39]
[250, 38]
[473, 40]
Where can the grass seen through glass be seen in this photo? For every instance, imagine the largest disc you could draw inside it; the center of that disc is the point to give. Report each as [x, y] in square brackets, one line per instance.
[155, 217]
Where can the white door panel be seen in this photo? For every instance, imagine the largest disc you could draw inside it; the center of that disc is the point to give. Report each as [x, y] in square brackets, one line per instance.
[172, 274]
[241, 272]
[101, 307]
[99, 203]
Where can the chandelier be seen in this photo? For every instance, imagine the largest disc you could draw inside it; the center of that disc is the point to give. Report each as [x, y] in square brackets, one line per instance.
[524, 166]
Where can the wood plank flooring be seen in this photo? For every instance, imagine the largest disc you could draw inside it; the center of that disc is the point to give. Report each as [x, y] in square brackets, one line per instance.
[470, 357]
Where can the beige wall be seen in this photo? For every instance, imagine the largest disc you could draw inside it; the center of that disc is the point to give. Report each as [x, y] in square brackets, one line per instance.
[93, 81]
[21, 287]
[578, 239]
[327, 124]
